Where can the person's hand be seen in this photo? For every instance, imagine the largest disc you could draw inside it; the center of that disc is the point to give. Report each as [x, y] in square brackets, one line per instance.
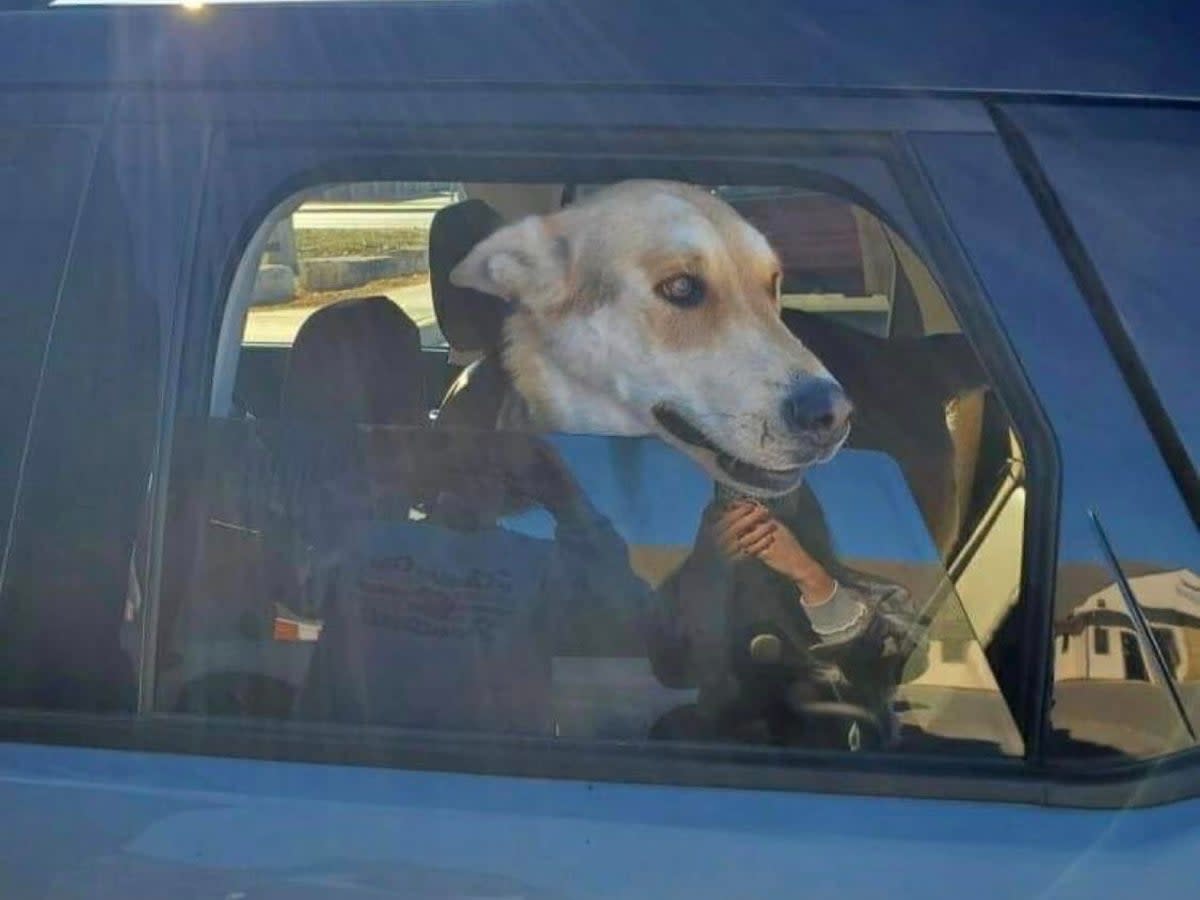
[742, 529]
[747, 529]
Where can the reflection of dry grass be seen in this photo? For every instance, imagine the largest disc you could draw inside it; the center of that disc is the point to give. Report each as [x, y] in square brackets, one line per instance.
[325, 242]
[321, 298]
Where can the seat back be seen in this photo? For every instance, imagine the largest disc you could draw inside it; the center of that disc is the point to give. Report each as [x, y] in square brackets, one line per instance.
[471, 321]
[248, 495]
[355, 361]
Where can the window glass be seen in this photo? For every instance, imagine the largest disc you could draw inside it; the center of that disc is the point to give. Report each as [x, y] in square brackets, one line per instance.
[838, 258]
[343, 241]
[1115, 663]
[1165, 638]
[1127, 180]
[720, 468]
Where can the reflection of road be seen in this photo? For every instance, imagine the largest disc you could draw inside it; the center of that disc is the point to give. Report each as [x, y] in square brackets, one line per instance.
[960, 714]
[406, 214]
[279, 325]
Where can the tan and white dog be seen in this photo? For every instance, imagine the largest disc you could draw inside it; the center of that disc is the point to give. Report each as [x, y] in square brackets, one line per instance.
[653, 308]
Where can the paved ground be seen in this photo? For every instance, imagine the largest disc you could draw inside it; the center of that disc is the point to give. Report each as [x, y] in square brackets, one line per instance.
[279, 325]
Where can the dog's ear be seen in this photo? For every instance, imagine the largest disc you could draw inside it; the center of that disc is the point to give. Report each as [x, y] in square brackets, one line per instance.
[522, 262]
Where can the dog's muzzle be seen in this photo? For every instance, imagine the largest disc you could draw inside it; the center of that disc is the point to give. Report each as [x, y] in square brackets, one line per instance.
[756, 479]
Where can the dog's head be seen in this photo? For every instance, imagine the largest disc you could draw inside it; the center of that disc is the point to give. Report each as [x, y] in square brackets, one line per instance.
[657, 303]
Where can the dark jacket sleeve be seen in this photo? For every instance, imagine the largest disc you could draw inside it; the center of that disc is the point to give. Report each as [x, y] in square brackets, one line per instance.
[687, 641]
[589, 573]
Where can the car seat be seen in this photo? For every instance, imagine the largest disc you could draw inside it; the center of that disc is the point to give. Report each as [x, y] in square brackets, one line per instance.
[472, 321]
[242, 507]
[355, 361]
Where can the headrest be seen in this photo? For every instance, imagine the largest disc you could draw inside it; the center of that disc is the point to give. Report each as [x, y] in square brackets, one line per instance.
[356, 361]
[470, 320]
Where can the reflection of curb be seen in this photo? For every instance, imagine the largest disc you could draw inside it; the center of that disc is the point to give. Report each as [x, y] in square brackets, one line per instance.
[274, 284]
[335, 274]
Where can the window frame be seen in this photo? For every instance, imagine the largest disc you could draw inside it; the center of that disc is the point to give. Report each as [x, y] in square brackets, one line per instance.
[774, 158]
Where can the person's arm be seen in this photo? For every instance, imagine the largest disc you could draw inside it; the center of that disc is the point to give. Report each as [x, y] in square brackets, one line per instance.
[838, 610]
[588, 574]
[591, 565]
[687, 642]
[681, 624]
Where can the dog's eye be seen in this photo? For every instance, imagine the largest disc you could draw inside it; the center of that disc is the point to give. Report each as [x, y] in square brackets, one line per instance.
[682, 290]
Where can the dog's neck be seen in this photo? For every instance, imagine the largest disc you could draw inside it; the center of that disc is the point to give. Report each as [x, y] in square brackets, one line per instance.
[552, 398]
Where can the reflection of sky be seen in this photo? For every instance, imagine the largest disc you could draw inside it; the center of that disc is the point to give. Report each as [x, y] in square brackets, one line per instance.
[1132, 197]
[1125, 180]
[1110, 461]
[654, 494]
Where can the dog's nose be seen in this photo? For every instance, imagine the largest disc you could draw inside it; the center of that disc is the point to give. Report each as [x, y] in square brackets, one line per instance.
[817, 405]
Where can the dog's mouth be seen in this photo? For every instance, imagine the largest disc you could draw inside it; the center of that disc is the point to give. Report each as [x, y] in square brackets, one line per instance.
[742, 473]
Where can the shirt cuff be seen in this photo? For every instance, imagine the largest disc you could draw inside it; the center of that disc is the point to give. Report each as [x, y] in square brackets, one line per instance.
[839, 618]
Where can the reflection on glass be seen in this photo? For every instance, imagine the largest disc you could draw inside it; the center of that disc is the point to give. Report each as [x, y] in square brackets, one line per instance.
[400, 576]
[765, 674]
[1101, 660]
[338, 553]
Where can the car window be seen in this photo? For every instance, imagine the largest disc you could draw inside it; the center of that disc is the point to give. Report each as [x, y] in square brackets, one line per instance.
[721, 468]
[1127, 182]
[837, 258]
[1124, 531]
[344, 240]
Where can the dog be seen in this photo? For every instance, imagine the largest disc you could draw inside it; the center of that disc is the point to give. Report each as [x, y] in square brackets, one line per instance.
[653, 308]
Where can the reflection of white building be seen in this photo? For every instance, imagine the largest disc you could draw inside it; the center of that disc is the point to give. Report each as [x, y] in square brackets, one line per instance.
[1098, 640]
[950, 691]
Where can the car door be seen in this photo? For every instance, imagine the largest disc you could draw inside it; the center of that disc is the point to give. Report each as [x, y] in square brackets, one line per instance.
[115, 792]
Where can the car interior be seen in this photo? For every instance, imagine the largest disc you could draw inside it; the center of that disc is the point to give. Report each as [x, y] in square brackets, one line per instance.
[239, 618]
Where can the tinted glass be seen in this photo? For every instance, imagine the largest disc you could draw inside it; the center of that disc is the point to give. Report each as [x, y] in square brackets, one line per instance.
[1129, 181]
[506, 565]
[66, 596]
[42, 173]
[1122, 515]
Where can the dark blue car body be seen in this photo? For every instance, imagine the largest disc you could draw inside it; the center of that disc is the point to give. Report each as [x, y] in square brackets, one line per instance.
[1045, 157]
